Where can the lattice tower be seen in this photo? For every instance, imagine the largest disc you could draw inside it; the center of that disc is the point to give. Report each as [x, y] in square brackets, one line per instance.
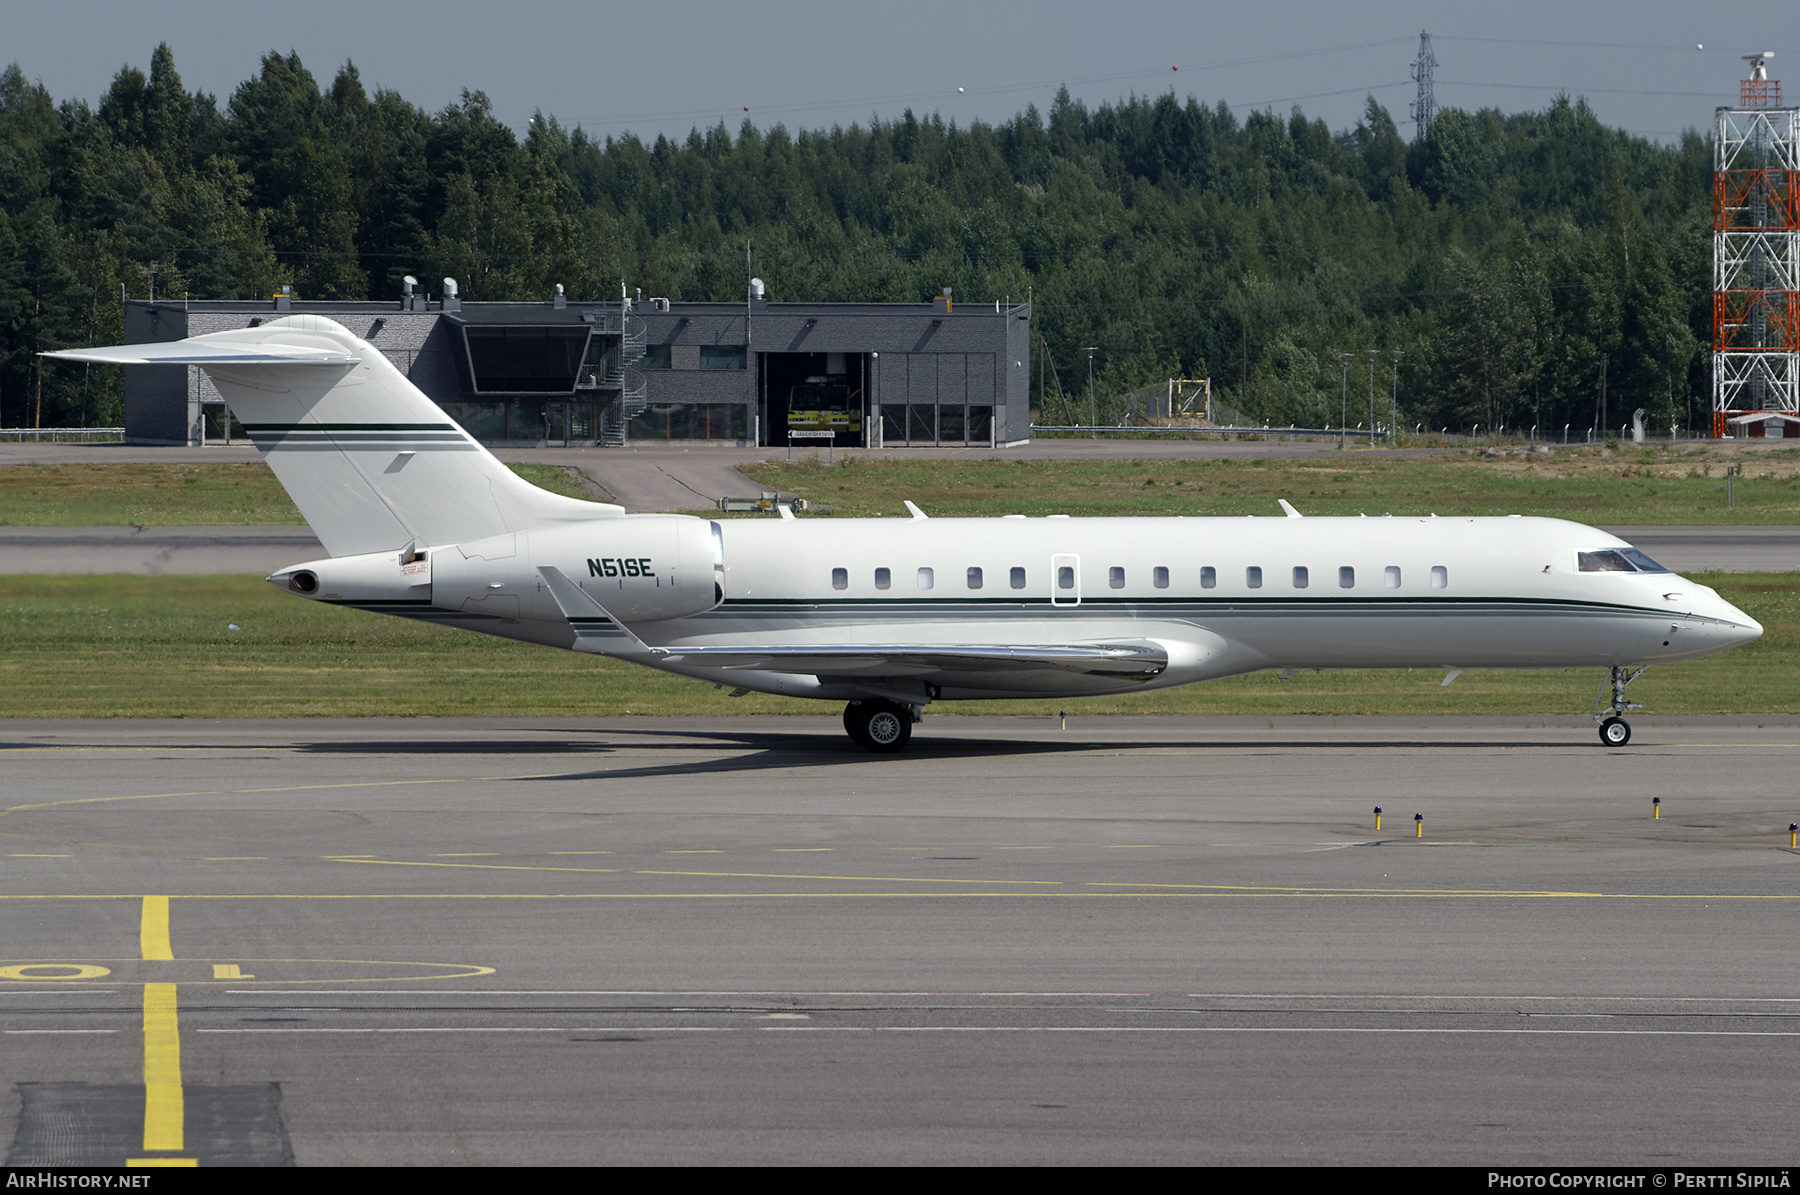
[1756, 252]
[1424, 108]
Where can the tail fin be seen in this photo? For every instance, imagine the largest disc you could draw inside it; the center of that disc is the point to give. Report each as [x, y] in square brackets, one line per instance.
[371, 462]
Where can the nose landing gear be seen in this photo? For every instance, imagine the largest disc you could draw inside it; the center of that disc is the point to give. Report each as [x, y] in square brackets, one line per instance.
[1615, 731]
[883, 727]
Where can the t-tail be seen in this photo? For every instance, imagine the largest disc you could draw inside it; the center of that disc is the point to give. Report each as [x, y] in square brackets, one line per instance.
[372, 463]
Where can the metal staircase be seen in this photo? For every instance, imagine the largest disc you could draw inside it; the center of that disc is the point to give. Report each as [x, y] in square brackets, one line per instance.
[625, 372]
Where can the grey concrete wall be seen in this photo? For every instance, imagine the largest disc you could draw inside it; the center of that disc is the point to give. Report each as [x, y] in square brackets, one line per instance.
[700, 385]
[155, 395]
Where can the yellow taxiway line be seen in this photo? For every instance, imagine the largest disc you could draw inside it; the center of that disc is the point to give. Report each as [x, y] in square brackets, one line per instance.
[165, 1109]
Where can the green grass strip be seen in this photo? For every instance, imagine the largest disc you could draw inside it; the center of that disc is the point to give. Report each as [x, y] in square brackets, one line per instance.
[1630, 485]
[127, 646]
[234, 495]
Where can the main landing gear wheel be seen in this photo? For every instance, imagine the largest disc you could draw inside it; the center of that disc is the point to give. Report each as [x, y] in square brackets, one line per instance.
[883, 727]
[1615, 732]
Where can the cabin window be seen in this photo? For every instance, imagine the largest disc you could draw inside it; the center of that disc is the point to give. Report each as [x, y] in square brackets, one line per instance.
[840, 578]
[1209, 577]
[974, 578]
[1018, 578]
[1346, 577]
[883, 578]
[1393, 576]
[925, 578]
[1159, 577]
[1440, 577]
[1300, 576]
[1065, 577]
[1115, 577]
[1253, 577]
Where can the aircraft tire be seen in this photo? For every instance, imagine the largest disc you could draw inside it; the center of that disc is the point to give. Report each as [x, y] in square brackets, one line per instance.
[1615, 732]
[882, 727]
[852, 725]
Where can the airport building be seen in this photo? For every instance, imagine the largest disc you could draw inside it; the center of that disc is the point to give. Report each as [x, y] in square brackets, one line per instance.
[570, 373]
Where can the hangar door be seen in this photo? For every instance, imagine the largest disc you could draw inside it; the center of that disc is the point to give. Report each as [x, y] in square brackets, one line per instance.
[937, 399]
[809, 393]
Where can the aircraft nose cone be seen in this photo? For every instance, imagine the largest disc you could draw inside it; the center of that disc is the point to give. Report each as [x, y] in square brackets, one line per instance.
[1748, 628]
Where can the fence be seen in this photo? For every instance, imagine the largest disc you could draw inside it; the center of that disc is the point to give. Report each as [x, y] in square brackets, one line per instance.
[62, 435]
[1264, 433]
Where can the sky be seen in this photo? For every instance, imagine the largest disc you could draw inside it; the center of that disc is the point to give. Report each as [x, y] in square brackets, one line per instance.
[669, 66]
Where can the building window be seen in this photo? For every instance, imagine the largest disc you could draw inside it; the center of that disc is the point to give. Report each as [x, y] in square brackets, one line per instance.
[1018, 578]
[1393, 576]
[691, 421]
[658, 356]
[981, 425]
[951, 425]
[840, 578]
[1115, 577]
[530, 360]
[925, 578]
[721, 356]
[1346, 577]
[883, 578]
[1440, 577]
[1209, 577]
[1300, 577]
[1253, 577]
[974, 578]
[1159, 577]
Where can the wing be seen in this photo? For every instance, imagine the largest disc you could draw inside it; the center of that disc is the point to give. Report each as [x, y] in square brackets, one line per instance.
[598, 631]
[1131, 660]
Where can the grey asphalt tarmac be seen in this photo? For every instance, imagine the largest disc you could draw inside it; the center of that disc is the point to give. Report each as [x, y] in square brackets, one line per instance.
[745, 940]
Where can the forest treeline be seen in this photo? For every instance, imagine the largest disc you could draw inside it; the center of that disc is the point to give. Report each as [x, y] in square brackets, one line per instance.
[1505, 256]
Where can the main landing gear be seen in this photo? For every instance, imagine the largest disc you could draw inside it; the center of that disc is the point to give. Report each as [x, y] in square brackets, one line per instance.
[882, 726]
[1615, 731]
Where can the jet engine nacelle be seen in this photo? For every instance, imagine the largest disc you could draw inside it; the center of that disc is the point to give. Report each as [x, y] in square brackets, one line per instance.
[639, 568]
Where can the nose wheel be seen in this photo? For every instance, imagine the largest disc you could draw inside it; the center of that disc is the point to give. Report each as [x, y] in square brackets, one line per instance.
[1615, 731]
[883, 727]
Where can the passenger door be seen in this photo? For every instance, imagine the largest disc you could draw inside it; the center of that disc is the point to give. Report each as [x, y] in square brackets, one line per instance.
[1065, 579]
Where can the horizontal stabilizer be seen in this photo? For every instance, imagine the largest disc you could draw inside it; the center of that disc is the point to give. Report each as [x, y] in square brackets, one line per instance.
[195, 352]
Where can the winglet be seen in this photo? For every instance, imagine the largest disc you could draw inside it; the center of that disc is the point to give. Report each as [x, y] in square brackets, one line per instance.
[575, 602]
[1288, 507]
[916, 512]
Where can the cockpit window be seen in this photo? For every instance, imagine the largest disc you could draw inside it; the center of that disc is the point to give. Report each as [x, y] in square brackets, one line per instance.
[1618, 560]
[1643, 562]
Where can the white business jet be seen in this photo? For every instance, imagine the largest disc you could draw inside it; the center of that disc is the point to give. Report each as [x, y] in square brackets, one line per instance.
[889, 615]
